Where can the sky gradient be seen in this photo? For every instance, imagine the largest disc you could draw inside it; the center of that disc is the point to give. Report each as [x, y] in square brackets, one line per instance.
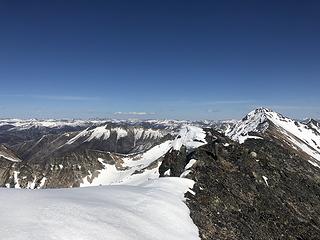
[158, 59]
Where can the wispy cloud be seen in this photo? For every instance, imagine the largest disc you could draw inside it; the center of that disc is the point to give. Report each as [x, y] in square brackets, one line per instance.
[66, 98]
[207, 102]
[210, 110]
[51, 97]
[230, 102]
[293, 107]
[134, 113]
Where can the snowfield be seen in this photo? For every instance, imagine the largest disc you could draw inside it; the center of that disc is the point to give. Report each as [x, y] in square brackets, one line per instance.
[154, 210]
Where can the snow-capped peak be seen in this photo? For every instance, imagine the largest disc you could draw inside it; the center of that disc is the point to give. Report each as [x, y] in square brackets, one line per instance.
[255, 121]
[261, 110]
[305, 137]
[263, 113]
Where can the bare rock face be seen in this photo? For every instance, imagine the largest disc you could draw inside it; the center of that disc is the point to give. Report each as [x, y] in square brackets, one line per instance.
[5, 167]
[272, 194]
[174, 161]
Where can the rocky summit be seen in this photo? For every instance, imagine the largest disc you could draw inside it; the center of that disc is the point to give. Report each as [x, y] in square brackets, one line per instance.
[257, 178]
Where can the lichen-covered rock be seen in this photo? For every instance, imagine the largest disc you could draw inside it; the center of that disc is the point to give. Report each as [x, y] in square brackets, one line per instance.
[272, 194]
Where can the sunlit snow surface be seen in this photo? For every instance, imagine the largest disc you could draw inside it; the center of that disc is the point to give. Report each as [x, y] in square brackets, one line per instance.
[189, 136]
[111, 175]
[154, 210]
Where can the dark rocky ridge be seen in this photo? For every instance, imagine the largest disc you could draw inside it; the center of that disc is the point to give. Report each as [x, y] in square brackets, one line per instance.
[258, 190]
[62, 172]
[234, 200]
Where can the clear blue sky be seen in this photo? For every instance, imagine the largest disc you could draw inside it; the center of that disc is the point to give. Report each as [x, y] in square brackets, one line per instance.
[158, 59]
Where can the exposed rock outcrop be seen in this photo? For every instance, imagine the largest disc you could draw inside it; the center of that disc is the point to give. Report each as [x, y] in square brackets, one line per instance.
[255, 191]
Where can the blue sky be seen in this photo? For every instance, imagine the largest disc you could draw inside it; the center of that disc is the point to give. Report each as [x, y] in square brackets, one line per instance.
[158, 59]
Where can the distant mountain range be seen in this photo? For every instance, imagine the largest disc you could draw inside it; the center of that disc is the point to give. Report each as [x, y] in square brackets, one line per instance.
[261, 172]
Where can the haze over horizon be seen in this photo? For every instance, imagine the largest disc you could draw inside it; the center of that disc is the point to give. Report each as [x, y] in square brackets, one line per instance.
[158, 59]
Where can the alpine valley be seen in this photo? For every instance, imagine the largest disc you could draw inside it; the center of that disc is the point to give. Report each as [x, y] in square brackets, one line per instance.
[256, 178]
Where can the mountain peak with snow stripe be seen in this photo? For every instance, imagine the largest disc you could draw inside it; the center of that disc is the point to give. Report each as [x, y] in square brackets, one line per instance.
[255, 122]
[263, 112]
[258, 121]
[265, 123]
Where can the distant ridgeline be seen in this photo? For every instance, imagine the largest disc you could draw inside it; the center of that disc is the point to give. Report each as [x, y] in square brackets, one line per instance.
[257, 178]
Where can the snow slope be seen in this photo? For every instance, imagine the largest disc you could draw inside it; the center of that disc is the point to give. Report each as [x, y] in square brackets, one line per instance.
[8, 154]
[129, 165]
[154, 211]
[135, 169]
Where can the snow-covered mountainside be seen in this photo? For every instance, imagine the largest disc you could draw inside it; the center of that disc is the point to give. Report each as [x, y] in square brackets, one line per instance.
[263, 122]
[89, 158]
[138, 168]
[104, 132]
[154, 210]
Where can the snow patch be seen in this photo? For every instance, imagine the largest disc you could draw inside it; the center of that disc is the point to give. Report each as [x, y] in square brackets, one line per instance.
[167, 173]
[265, 179]
[12, 159]
[16, 179]
[242, 139]
[314, 164]
[190, 164]
[99, 133]
[191, 137]
[120, 132]
[185, 173]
